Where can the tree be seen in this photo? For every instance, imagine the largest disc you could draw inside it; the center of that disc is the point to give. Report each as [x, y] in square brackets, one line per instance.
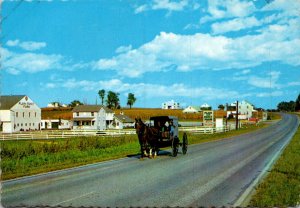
[131, 99]
[221, 107]
[75, 103]
[113, 100]
[286, 106]
[101, 94]
[297, 104]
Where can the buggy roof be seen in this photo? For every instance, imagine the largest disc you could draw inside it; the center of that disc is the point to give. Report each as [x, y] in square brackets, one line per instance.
[164, 118]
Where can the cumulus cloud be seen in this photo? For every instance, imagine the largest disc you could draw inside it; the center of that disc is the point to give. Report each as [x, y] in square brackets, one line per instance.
[29, 45]
[218, 9]
[30, 62]
[275, 42]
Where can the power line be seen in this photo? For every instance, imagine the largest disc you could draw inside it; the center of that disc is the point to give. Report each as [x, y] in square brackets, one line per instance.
[12, 11]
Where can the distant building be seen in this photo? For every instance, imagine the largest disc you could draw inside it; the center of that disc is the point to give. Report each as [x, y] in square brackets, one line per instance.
[122, 121]
[170, 105]
[18, 113]
[245, 109]
[56, 124]
[192, 109]
[205, 106]
[56, 105]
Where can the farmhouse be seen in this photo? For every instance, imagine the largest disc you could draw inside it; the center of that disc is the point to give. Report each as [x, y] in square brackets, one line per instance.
[19, 113]
[92, 117]
[192, 109]
[170, 105]
[245, 109]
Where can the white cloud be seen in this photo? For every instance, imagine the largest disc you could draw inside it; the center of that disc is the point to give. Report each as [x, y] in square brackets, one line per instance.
[169, 51]
[269, 94]
[144, 89]
[218, 9]
[169, 5]
[123, 49]
[29, 45]
[234, 25]
[15, 63]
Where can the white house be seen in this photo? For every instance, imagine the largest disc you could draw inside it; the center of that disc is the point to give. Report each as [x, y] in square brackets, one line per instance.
[170, 105]
[94, 117]
[19, 113]
[245, 109]
[205, 106]
[122, 121]
[192, 109]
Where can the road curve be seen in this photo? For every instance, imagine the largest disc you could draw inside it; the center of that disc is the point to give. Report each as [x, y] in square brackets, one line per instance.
[211, 174]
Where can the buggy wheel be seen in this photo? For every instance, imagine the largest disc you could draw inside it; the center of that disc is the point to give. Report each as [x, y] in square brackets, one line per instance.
[175, 146]
[184, 143]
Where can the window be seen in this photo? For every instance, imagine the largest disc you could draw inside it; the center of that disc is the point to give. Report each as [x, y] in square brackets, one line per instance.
[77, 113]
[35, 114]
[92, 113]
[17, 114]
[29, 114]
[23, 114]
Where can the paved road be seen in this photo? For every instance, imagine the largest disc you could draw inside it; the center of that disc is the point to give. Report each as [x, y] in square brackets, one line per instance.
[215, 173]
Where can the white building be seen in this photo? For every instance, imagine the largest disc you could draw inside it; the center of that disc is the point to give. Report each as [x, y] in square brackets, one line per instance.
[170, 105]
[19, 113]
[245, 109]
[122, 121]
[205, 106]
[92, 117]
[56, 124]
[192, 109]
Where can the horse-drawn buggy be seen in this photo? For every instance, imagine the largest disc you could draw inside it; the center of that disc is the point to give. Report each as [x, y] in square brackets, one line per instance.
[161, 132]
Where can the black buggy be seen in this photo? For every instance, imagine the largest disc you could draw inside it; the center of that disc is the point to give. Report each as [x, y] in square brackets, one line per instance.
[168, 133]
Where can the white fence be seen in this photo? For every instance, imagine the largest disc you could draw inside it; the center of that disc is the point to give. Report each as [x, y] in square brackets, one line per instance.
[204, 130]
[55, 134]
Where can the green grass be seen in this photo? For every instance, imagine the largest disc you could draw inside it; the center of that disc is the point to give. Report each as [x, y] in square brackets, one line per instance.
[28, 157]
[281, 187]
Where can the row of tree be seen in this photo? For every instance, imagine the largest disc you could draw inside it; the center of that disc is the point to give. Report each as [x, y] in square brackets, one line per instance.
[112, 99]
[289, 106]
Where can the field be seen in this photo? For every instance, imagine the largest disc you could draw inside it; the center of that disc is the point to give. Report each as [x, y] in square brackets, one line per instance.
[143, 113]
[30, 157]
[281, 188]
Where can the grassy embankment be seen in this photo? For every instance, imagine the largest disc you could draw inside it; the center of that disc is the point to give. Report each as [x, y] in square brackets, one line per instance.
[21, 158]
[281, 187]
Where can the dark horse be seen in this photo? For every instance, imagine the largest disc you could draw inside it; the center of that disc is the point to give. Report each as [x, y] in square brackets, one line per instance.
[148, 138]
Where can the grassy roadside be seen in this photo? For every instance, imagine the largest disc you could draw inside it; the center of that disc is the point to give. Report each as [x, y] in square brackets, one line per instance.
[24, 158]
[281, 187]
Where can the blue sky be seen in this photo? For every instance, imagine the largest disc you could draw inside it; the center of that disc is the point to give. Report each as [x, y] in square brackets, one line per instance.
[190, 51]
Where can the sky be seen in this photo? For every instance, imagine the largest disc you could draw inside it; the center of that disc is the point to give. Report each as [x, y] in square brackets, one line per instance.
[189, 51]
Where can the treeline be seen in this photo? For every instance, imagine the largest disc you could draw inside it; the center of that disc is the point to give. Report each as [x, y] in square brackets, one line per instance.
[110, 99]
[289, 106]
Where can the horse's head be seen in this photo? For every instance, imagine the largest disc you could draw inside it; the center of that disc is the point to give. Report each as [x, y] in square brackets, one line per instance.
[139, 126]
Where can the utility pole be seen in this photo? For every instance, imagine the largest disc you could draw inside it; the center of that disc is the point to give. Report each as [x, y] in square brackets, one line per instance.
[226, 114]
[237, 116]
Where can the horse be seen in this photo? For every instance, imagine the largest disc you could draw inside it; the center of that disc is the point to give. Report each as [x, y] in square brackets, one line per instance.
[148, 138]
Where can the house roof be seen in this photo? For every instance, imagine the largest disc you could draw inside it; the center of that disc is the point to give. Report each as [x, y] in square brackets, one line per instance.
[197, 108]
[91, 108]
[124, 118]
[8, 101]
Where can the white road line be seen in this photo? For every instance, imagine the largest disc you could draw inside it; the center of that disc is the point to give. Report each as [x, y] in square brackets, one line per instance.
[196, 194]
[77, 197]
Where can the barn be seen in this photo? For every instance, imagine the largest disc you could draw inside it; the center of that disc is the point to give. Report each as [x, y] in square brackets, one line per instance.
[18, 113]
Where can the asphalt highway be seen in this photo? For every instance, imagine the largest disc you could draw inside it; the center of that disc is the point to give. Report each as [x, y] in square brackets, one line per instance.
[210, 174]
